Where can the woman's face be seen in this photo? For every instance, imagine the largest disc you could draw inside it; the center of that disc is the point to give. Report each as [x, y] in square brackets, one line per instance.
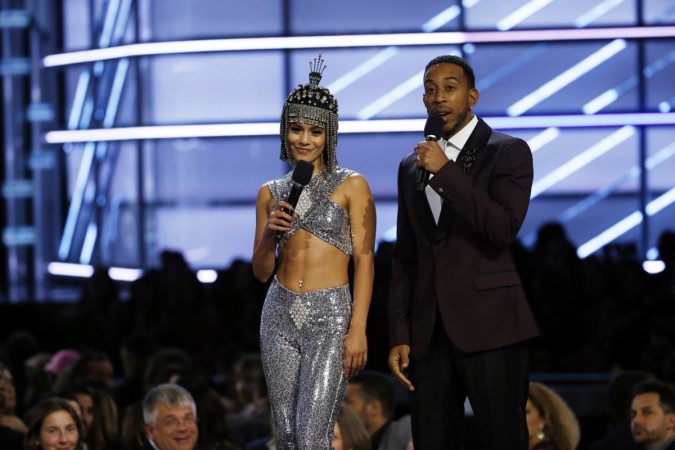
[338, 443]
[58, 432]
[307, 142]
[535, 422]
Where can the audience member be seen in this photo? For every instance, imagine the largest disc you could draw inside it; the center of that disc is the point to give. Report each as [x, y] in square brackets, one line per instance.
[371, 396]
[133, 428]
[85, 398]
[551, 424]
[213, 428]
[349, 432]
[653, 415]
[620, 397]
[105, 430]
[170, 417]
[20, 346]
[10, 438]
[53, 424]
[249, 412]
[93, 366]
[8, 416]
[135, 352]
[155, 371]
[38, 380]
[60, 366]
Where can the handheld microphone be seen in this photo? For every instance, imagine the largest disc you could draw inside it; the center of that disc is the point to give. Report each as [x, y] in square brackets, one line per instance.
[302, 174]
[433, 130]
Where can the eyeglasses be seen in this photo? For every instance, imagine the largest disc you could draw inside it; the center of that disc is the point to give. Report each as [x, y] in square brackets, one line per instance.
[171, 422]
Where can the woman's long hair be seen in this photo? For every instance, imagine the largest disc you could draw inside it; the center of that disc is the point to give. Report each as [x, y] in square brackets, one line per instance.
[36, 416]
[562, 427]
[354, 434]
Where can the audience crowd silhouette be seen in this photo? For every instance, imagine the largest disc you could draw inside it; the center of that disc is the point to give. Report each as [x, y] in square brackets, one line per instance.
[102, 354]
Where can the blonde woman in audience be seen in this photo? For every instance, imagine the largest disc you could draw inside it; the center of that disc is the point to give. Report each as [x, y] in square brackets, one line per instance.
[551, 424]
[349, 432]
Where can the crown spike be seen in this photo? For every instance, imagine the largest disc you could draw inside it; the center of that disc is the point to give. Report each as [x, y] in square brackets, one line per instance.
[316, 69]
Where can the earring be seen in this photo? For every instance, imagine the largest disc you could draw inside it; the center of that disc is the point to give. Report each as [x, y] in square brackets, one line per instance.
[540, 434]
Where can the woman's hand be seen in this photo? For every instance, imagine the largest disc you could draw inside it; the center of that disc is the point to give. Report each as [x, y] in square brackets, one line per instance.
[279, 220]
[356, 352]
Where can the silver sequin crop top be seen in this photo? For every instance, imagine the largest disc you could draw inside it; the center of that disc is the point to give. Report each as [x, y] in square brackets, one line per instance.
[318, 214]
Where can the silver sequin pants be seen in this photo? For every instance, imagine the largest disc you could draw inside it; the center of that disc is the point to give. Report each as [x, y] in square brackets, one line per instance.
[301, 341]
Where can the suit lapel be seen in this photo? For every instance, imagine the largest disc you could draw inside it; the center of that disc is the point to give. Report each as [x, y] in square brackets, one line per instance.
[478, 139]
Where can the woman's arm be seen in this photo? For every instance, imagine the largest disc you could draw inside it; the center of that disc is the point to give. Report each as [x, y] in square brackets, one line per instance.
[264, 247]
[362, 219]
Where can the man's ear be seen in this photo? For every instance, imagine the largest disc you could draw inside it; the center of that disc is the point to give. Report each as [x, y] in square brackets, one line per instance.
[670, 421]
[474, 95]
[149, 433]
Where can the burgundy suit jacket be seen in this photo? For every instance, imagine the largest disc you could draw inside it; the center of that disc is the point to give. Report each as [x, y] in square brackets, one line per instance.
[464, 264]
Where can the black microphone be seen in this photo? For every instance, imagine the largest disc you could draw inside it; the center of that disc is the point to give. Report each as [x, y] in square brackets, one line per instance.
[302, 174]
[433, 130]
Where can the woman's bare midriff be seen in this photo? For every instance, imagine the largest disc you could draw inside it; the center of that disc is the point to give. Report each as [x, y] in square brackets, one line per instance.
[307, 263]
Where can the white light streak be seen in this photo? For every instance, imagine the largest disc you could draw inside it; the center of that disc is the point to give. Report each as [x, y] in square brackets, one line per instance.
[65, 269]
[626, 224]
[582, 159]
[543, 138]
[362, 69]
[441, 19]
[600, 101]
[597, 12]
[567, 77]
[343, 41]
[521, 14]
[400, 91]
[347, 127]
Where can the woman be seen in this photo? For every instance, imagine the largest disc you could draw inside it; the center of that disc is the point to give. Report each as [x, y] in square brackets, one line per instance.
[312, 336]
[551, 424]
[350, 433]
[53, 424]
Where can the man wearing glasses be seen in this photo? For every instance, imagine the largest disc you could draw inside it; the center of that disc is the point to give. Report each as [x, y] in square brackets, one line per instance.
[170, 417]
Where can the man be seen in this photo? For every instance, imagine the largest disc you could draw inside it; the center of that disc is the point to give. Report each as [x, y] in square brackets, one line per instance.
[371, 396]
[620, 398]
[653, 415]
[170, 417]
[458, 316]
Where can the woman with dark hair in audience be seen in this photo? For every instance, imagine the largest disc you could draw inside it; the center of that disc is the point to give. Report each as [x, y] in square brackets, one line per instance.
[105, 430]
[53, 423]
[213, 430]
[551, 424]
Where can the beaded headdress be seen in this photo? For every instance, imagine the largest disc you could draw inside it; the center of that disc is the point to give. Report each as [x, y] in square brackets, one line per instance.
[314, 105]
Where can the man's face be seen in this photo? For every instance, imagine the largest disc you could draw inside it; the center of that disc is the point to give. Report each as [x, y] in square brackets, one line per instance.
[354, 400]
[447, 94]
[174, 429]
[649, 424]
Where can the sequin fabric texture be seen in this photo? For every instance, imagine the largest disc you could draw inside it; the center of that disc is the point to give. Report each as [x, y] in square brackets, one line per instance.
[318, 214]
[301, 341]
